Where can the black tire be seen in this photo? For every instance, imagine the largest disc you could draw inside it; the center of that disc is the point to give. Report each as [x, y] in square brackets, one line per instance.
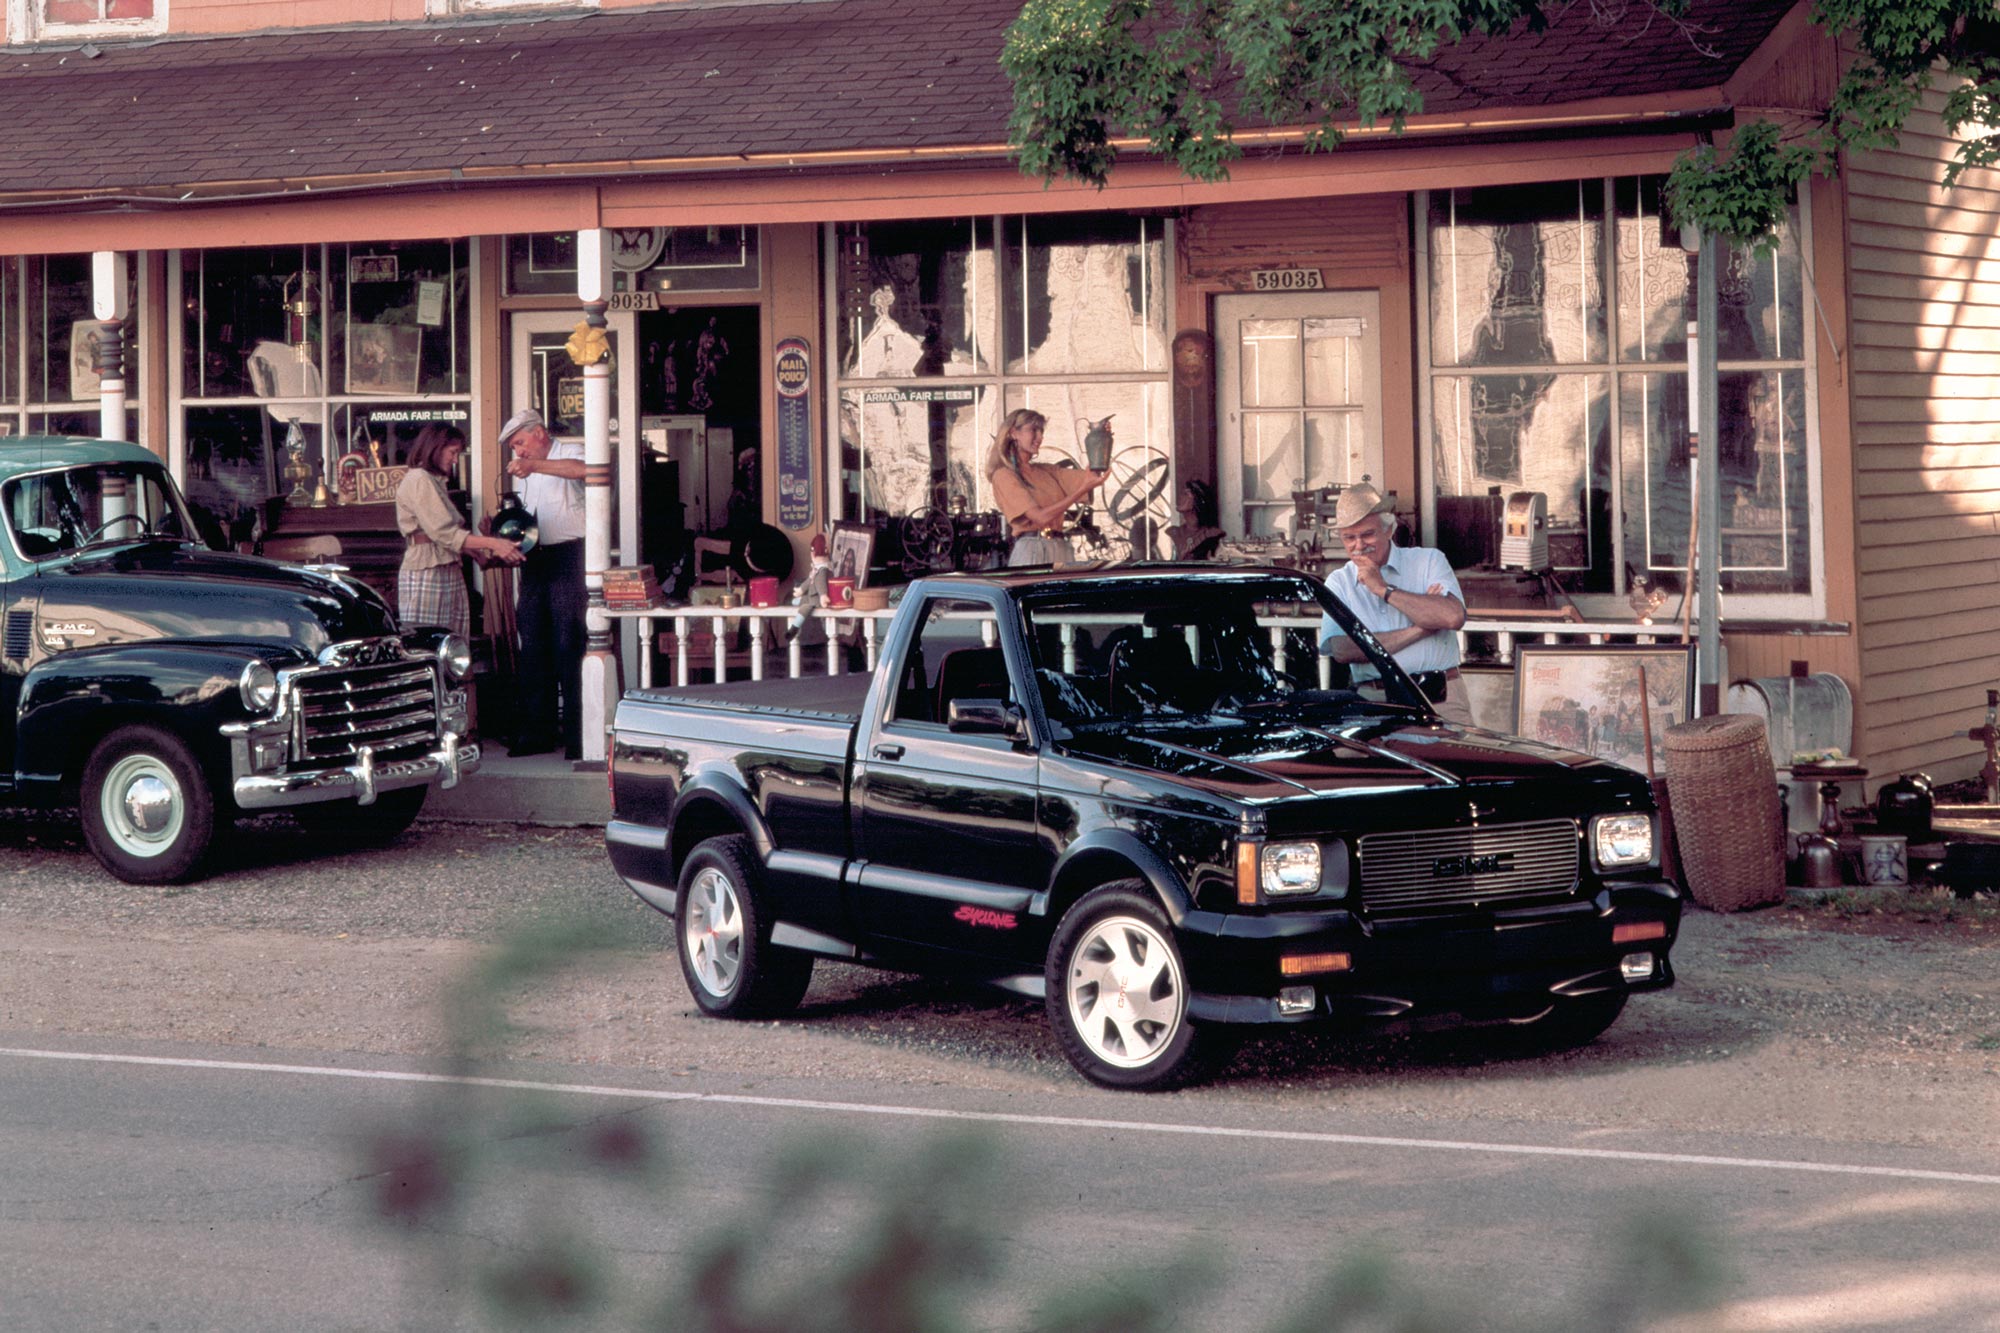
[722, 933]
[148, 815]
[1145, 1043]
[372, 825]
[1569, 1023]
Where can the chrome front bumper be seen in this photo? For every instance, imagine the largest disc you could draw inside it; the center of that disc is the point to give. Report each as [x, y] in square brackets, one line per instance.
[359, 782]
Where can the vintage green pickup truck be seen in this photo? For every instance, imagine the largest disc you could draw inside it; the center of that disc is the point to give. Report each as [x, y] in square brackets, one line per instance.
[165, 688]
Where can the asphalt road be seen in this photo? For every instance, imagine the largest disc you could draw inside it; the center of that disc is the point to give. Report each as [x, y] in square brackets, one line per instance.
[234, 1106]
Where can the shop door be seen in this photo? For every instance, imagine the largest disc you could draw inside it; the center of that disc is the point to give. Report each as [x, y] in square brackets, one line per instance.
[1300, 395]
[544, 378]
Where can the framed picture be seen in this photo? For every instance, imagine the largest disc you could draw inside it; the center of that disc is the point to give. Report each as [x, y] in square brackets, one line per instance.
[384, 358]
[852, 547]
[84, 335]
[372, 268]
[1612, 701]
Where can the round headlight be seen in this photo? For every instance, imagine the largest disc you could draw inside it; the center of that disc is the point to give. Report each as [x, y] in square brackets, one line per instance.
[455, 655]
[259, 687]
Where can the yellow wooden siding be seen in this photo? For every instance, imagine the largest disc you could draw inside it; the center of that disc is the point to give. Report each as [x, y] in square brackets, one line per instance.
[1924, 279]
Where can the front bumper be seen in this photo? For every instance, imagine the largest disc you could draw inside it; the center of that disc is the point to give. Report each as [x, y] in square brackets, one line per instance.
[1496, 964]
[360, 781]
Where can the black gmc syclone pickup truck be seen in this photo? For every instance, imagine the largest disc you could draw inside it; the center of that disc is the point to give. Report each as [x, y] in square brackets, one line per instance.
[1130, 793]
[165, 688]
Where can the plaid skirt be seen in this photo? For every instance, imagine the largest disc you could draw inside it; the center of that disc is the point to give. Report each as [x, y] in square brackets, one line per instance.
[434, 596]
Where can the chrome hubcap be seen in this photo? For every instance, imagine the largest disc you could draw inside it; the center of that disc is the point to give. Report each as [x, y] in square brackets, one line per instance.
[142, 805]
[1125, 992]
[713, 931]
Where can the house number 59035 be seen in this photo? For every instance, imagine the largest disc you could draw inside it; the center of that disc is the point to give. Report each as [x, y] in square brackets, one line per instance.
[1286, 279]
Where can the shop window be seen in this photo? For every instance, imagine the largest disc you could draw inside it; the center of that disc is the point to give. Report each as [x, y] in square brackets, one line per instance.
[1557, 356]
[48, 338]
[300, 363]
[941, 329]
[643, 259]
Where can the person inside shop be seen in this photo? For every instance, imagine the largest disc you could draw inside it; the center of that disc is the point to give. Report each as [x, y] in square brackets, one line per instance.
[549, 611]
[1406, 594]
[430, 585]
[1034, 497]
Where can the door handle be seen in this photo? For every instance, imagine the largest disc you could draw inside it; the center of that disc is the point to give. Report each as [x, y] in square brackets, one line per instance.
[888, 751]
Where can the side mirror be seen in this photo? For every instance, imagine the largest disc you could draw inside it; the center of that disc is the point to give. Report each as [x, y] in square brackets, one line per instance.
[986, 717]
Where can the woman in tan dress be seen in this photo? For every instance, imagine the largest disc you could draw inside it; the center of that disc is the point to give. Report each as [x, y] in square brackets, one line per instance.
[430, 587]
[1033, 496]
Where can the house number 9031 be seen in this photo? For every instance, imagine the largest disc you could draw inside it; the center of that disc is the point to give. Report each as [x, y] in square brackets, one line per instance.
[1286, 279]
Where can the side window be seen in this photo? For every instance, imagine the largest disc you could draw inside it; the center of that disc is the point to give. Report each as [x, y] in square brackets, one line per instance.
[956, 655]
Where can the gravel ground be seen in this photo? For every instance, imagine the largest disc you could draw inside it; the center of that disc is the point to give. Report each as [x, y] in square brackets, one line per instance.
[1812, 1022]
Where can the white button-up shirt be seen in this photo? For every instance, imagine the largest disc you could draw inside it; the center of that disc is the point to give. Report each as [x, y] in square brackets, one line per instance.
[556, 502]
[1408, 569]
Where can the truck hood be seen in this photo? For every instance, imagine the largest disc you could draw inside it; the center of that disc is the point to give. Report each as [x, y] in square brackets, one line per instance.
[1295, 770]
[162, 589]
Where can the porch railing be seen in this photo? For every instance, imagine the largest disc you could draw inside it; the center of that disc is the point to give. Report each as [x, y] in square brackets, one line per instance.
[723, 624]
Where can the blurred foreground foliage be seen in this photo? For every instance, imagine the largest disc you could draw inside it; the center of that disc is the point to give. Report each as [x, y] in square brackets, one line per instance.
[548, 1211]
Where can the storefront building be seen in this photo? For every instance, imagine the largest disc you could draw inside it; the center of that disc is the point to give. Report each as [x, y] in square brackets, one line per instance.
[819, 194]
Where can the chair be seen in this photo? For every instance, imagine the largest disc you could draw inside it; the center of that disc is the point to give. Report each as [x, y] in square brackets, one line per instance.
[1157, 673]
[971, 673]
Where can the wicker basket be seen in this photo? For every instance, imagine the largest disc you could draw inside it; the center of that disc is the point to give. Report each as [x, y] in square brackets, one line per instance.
[1725, 803]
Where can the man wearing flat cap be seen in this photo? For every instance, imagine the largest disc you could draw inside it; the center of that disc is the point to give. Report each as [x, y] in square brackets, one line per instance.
[548, 476]
[1406, 594]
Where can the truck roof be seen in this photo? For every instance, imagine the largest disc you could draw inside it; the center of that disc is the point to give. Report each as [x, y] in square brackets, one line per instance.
[1022, 580]
[35, 453]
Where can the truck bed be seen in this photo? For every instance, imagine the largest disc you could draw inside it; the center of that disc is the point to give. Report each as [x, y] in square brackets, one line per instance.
[833, 698]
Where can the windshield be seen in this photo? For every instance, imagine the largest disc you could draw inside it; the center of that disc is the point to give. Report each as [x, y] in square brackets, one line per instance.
[54, 513]
[1198, 650]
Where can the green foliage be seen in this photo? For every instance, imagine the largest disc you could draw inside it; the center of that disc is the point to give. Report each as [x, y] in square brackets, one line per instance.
[1086, 72]
[519, 1202]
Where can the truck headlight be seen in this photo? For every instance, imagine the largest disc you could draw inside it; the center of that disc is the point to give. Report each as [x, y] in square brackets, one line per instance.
[1288, 868]
[258, 685]
[1622, 840]
[455, 656]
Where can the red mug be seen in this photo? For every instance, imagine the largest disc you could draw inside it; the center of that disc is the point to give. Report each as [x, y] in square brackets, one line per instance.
[840, 592]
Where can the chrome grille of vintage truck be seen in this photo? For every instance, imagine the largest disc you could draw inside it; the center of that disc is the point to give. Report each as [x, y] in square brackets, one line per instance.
[391, 707]
[1468, 867]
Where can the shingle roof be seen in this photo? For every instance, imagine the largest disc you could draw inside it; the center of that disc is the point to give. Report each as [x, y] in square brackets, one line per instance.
[689, 80]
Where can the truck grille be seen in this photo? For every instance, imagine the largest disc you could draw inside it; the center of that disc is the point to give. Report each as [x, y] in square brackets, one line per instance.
[391, 707]
[1468, 867]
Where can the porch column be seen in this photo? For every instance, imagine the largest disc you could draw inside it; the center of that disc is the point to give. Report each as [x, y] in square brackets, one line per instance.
[108, 303]
[601, 684]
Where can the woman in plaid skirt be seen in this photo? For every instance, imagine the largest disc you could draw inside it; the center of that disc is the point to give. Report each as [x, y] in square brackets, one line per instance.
[430, 587]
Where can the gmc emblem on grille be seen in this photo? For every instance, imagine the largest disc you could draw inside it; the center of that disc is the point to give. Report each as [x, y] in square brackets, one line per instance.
[1464, 867]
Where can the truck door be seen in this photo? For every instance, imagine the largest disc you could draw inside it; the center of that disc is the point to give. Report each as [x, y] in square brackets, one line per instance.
[945, 821]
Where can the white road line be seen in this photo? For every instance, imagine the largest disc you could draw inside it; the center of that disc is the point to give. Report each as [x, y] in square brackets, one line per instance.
[1007, 1118]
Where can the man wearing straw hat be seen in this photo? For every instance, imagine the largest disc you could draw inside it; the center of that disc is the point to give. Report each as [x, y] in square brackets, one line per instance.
[551, 607]
[1406, 594]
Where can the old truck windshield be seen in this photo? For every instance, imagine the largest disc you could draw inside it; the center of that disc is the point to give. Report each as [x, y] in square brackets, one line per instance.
[1189, 650]
[62, 510]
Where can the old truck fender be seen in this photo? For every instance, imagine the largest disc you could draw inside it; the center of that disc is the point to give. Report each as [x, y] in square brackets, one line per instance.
[1108, 854]
[70, 702]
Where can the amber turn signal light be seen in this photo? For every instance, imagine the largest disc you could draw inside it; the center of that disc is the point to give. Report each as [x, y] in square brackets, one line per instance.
[1305, 964]
[1246, 872]
[1639, 930]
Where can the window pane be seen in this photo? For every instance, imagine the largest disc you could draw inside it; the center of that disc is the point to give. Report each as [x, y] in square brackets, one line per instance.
[237, 302]
[1130, 513]
[10, 330]
[1333, 362]
[1085, 294]
[62, 330]
[87, 422]
[1272, 358]
[236, 456]
[916, 300]
[1550, 436]
[1763, 498]
[654, 259]
[1760, 305]
[402, 322]
[1517, 275]
[905, 449]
